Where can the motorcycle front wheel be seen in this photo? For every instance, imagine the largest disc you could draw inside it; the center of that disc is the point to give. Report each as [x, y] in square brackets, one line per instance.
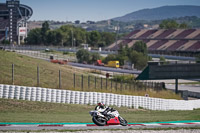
[99, 121]
[122, 121]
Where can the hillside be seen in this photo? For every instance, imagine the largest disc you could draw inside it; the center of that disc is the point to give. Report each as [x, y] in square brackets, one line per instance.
[26, 75]
[160, 13]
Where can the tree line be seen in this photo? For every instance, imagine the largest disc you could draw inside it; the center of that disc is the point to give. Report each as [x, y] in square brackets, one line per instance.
[172, 24]
[137, 55]
[69, 35]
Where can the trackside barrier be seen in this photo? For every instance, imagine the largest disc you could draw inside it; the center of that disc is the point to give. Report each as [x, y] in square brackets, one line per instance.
[58, 96]
[38, 94]
[44, 95]
[63, 96]
[33, 94]
[1, 91]
[11, 92]
[28, 93]
[48, 95]
[53, 95]
[91, 98]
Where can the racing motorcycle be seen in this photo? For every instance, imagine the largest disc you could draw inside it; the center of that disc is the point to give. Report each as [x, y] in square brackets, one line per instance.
[112, 118]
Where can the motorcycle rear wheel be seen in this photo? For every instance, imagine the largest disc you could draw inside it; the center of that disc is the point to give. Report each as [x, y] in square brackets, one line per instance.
[99, 121]
[122, 121]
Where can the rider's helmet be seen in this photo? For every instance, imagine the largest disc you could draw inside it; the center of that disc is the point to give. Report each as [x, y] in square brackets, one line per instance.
[101, 105]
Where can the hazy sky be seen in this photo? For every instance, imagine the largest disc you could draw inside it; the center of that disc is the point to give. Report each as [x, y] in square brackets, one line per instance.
[95, 10]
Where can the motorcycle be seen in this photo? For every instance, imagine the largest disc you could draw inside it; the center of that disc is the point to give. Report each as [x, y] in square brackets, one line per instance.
[112, 118]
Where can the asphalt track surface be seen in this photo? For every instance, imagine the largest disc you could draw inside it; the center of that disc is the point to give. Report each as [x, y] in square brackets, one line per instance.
[134, 71]
[91, 126]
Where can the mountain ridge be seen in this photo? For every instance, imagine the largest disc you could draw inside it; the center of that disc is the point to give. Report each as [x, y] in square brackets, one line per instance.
[161, 13]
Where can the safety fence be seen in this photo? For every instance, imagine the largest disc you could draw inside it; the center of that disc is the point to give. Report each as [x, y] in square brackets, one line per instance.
[67, 79]
[78, 97]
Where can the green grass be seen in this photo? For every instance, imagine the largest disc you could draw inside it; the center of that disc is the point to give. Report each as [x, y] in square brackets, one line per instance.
[25, 74]
[28, 111]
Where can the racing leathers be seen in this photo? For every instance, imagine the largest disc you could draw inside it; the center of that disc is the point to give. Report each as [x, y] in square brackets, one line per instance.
[103, 109]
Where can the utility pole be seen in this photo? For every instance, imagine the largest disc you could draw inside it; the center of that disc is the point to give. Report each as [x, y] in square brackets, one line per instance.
[72, 38]
[117, 30]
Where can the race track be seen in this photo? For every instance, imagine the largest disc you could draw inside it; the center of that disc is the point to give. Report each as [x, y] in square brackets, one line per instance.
[90, 126]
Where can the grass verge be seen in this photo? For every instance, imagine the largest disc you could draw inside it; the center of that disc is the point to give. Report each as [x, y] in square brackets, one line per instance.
[40, 112]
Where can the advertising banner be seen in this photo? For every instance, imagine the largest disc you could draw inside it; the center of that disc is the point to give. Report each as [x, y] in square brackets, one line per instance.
[22, 31]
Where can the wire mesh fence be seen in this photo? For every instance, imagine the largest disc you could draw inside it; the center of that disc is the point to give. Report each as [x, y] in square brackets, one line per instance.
[50, 78]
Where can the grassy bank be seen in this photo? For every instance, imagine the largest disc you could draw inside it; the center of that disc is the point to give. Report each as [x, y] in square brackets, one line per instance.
[27, 111]
[25, 74]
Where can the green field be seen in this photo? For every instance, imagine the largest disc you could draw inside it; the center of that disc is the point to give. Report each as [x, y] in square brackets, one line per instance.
[39, 112]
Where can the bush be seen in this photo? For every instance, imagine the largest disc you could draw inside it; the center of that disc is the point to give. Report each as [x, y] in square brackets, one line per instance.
[198, 58]
[123, 78]
[65, 53]
[5, 42]
[110, 57]
[85, 56]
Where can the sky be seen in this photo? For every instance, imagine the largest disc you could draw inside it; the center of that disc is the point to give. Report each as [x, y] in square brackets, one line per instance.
[94, 10]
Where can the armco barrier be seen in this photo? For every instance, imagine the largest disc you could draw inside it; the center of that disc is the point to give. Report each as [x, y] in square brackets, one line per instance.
[77, 97]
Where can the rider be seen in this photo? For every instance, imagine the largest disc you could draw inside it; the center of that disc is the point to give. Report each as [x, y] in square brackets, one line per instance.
[102, 108]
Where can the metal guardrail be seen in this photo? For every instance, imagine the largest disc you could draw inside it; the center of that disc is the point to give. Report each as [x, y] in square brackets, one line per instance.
[185, 94]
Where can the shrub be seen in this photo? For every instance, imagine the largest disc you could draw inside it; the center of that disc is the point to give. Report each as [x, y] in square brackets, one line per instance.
[123, 78]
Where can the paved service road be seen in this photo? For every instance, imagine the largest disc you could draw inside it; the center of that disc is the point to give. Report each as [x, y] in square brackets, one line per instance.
[192, 88]
[134, 71]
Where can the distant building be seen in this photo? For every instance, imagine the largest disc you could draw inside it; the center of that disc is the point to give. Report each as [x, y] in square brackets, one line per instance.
[183, 41]
[109, 22]
[146, 25]
[13, 21]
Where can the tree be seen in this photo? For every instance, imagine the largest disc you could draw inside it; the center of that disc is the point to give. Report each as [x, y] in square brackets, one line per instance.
[162, 59]
[44, 29]
[94, 57]
[54, 37]
[140, 47]
[107, 39]
[169, 24]
[94, 38]
[5, 41]
[34, 36]
[83, 56]
[183, 26]
[138, 59]
[172, 24]
[110, 57]
[79, 36]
